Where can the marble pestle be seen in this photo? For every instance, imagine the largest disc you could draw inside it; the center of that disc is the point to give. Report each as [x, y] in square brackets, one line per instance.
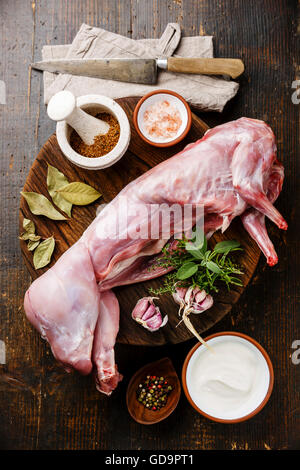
[62, 107]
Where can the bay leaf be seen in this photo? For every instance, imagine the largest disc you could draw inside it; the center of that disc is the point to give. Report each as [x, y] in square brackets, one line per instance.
[79, 194]
[30, 236]
[55, 181]
[28, 225]
[40, 205]
[31, 245]
[24, 236]
[42, 254]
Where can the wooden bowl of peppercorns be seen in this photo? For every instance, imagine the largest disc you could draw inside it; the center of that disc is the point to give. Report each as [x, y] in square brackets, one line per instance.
[153, 392]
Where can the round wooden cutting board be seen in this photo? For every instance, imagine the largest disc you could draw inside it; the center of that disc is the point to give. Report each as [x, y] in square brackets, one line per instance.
[138, 159]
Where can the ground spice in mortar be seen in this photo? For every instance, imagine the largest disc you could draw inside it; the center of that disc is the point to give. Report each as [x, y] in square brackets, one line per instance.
[103, 144]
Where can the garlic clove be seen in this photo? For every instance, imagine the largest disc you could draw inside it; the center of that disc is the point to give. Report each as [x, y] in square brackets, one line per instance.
[156, 322]
[140, 308]
[189, 295]
[200, 296]
[207, 302]
[149, 312]
[179, 295]
[199, 307]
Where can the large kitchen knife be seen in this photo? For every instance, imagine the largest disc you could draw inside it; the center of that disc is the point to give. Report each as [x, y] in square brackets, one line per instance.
[140, 70]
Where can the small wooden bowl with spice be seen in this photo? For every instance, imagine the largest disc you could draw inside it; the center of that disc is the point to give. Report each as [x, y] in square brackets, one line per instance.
[153, 392]
[107, 149]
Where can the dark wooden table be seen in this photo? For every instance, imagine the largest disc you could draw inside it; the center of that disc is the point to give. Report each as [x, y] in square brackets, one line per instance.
[40, 406]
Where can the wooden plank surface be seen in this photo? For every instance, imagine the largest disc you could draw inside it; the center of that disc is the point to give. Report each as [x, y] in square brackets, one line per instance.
[40, 406]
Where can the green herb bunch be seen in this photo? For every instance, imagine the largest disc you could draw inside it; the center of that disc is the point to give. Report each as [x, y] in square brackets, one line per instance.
[196, 265]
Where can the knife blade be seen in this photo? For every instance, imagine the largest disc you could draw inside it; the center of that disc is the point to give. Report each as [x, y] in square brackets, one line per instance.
[140, 70]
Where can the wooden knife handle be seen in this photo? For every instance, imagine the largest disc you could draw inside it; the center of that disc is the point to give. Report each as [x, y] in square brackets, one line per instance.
[232, 67]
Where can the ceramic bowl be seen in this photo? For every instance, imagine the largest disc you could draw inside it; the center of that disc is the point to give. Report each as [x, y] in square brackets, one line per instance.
[175, 100]
[95, 104]
[262, 355]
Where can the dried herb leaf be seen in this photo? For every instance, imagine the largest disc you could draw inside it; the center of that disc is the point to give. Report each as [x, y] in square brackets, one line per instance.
[42, 254]
[40, 205]
[55, 181]
[30, 236]
[79, 194]
[31, 245]
[24, 236]
[33, 238]
[28, 226]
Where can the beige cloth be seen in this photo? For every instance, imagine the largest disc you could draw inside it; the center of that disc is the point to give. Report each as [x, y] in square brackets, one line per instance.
[204, 92]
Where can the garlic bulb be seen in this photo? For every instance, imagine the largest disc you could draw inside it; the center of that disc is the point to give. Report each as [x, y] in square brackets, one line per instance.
[195, 299]
[192, 300]
[147, 314]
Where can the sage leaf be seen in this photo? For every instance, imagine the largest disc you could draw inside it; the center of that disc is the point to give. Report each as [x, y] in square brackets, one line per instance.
[226, 246]
[40, 205]
[190, 248]
[79, 194]
[31, 245]
[187, 270]
[28, 226]
[199, 240]
[42, 254]
[55, 181]
[204, 245]
[213, 267]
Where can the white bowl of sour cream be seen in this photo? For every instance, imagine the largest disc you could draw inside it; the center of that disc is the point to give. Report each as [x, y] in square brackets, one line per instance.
[229, 382]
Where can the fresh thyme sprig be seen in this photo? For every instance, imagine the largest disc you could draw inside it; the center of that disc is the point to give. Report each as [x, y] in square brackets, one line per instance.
[194, 264]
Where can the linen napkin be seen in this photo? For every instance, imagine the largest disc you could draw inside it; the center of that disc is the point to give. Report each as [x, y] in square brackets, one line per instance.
[204, 92]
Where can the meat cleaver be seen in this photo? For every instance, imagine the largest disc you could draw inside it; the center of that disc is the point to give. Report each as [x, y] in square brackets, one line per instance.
[141, 70]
